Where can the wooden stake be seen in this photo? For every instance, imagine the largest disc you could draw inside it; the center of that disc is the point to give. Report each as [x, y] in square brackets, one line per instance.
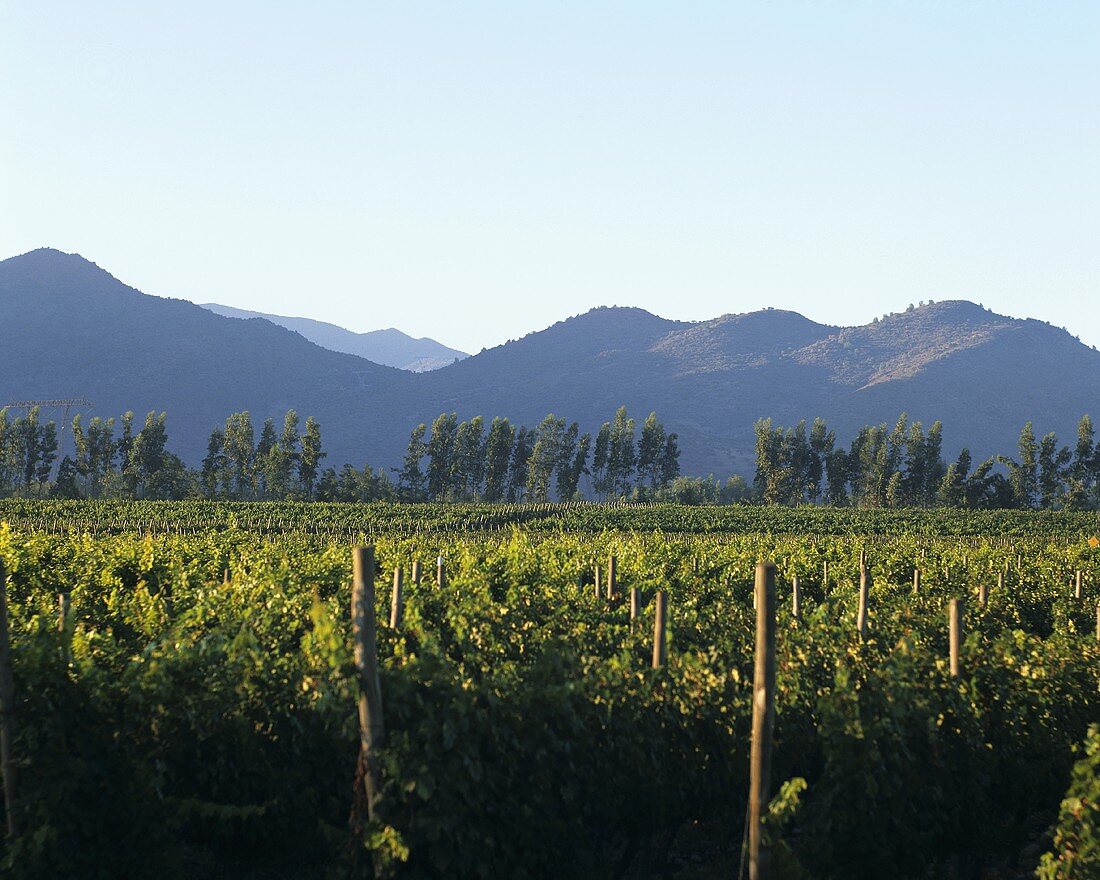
[1098, 621]
[954, 633]
[440, 573]
[635, 605]
[796, 599]
[598, 594]
[861, 615]
[763, 719]
[825, 574]
[983, 595]
[659, 630]
[226, 580]
[916, 581]
[7, 710]
[1000, 582]
[1079, 589]
[695, 565]
[612, 576]
[416, 574]
[372, 729]
[64, 605]
[397, 600]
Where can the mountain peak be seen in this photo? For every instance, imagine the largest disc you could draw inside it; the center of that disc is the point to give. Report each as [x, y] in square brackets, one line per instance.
[50, 265]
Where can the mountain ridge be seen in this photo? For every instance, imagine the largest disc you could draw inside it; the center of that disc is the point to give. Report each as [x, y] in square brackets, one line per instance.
[983, 374]
[389, 346]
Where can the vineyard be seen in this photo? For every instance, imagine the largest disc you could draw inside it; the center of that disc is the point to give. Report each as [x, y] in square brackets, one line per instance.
[184, 691]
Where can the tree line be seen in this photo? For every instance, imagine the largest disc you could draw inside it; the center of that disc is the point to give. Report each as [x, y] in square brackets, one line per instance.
[456, 461]
[903, 466]
[464, 461]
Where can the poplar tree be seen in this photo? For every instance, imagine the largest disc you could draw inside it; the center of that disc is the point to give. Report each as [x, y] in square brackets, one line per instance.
[311, 455]
[498, 452]
[573, 463]
[240, 452]
[214, 463]
[441, 446]
[1053, 465]
[517, 467]
[411, 481]
[651, 447]
[1023, 474]
[544, 457]
[622, 456]
[600, 460]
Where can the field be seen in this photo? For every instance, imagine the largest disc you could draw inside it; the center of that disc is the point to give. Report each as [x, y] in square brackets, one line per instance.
[185, 692]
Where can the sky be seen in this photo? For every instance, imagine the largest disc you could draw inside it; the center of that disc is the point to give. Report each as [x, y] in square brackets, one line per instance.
[476, 171]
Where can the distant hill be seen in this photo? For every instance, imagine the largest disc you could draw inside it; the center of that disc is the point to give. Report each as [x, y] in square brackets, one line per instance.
[73, 329]
[391, 347]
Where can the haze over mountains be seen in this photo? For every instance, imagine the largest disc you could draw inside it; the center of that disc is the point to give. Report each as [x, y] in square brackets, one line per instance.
[71, 329]
[389, 347]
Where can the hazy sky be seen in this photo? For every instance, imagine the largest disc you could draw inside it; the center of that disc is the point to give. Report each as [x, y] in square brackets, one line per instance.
[473, 171]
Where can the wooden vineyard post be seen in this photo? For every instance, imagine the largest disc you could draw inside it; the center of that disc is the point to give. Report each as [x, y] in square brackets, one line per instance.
[1079, 588]
[983, 595]
[695, 565]
[598, 583]
[416, 574]
[397, 601]
[954, 634]
[7, 710]
[372, 729]
[763, 719]
[825, 575]
[864, 591]
[64, 607]
[1098, 621]
[659, 650]
[635, 605]
[916, 581]
[796, 599]
[440, 573]
[1000, 581]
[612, 576]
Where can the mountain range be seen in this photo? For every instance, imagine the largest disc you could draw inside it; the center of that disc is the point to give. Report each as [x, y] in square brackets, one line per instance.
[72, 329]
[390, 347]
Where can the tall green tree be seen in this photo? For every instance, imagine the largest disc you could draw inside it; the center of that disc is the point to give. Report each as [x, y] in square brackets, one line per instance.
[240, 452]
[441, 449]
[822, 441]
[601, 459]
[573, 462]
[1082, 475]
[468, 464]
[214, 464]
[651, 447]
[1023, 475]
[545, 456]
[412, 481]
[622, 454]
[310, 461]
[1053, 469]
[148, 456]
[498, 453]
[518, 466]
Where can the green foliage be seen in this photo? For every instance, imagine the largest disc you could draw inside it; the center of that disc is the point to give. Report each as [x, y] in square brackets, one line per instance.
[1075, 854]
[204, 728]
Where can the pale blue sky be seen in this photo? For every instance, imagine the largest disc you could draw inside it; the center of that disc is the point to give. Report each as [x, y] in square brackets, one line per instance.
[472, 171]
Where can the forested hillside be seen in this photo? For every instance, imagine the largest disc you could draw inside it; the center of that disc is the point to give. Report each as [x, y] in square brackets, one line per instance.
[74, 330]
